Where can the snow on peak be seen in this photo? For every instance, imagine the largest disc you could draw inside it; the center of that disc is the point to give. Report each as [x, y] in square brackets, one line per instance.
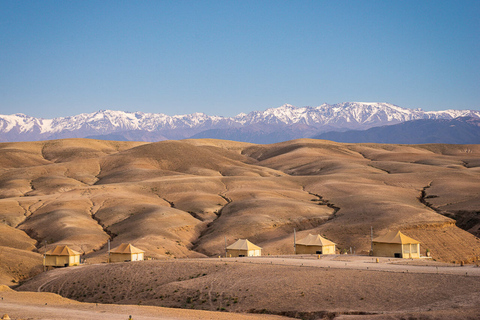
[349, 115]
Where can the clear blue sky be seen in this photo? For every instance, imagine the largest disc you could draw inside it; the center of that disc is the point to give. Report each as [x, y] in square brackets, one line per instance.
[60, 58]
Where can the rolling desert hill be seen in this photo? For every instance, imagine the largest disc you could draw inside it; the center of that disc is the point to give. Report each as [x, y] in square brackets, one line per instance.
[178, 199]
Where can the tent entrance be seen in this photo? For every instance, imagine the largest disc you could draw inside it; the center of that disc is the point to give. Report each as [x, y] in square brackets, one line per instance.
[319, 252]
[397, 255]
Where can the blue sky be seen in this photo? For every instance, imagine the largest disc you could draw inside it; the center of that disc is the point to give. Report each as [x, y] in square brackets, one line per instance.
[60, 58]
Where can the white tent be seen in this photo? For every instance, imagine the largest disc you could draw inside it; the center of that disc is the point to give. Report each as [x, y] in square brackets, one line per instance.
[314, 244]
[396, 244]
[243, 248]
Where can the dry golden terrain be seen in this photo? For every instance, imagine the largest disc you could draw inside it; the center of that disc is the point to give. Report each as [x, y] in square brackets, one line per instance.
[183, 199]
[177, 199]
[303, 287]
[47, 306]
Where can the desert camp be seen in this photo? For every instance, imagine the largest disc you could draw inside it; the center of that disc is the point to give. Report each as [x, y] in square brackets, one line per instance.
[243, 248]
[396, 244]
[126, 252]
[314, 244]
[62, 256]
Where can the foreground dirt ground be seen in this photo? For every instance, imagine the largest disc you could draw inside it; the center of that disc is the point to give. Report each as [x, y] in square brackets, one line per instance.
[33, 305]
[340, 286]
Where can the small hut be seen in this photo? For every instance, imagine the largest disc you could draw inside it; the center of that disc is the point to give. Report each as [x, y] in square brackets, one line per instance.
[243, 248]
[126, 252]
[62, 256]
[396, 244]
[314, 244]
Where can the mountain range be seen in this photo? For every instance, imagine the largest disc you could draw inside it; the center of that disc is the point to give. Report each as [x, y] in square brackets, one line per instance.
[272, 125]
[461, 130]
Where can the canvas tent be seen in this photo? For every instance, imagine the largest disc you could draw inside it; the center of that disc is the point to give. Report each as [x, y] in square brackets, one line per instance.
[62, 256]
[396, 244]
[243, 248]
[126, 252]
[314, 244]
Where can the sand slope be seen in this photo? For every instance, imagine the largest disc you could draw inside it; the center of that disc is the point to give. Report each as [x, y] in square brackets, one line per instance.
[184, 198]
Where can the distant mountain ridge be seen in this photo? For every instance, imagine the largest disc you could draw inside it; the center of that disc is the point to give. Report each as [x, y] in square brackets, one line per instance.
[462, 130]
[272, 125]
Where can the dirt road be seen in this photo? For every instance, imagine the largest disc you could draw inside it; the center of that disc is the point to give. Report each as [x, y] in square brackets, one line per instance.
[354, 262]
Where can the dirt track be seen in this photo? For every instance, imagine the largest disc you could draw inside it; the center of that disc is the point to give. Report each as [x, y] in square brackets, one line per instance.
[366, 263]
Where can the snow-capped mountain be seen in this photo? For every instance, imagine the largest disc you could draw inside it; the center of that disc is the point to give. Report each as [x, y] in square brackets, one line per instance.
[347, 115]
[301, 122]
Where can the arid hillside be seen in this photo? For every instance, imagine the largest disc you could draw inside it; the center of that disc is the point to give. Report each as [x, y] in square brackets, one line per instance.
[185, 198]
[303, 288]
[42, 306]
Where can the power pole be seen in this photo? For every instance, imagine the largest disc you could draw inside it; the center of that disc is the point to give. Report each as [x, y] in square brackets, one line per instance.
[371, 239]
[294, 241]
[45, 256]
[225, 246]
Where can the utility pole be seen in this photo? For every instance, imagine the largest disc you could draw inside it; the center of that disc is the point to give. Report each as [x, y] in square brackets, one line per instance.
[371, 239]
[294, 241]
[45, 256]
[225, 246]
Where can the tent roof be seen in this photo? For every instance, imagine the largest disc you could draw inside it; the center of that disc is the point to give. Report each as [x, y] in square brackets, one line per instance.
[62, 251]
[243, 244]
[395, 237]
[126, 248]
[314, 240]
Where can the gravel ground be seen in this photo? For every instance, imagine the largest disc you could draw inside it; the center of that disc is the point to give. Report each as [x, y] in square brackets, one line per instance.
[302, 287]
[36, 306]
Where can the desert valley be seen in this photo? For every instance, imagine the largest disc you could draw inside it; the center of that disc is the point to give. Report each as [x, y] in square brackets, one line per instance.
[182, 201]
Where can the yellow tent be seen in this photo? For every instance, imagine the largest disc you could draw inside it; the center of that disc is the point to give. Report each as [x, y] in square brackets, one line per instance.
[396, 244]
[243, 248]
[126, 252]
[62, 256]
[314, 244]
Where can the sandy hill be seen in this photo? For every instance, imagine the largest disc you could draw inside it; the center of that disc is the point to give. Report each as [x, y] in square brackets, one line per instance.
[184, 198]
